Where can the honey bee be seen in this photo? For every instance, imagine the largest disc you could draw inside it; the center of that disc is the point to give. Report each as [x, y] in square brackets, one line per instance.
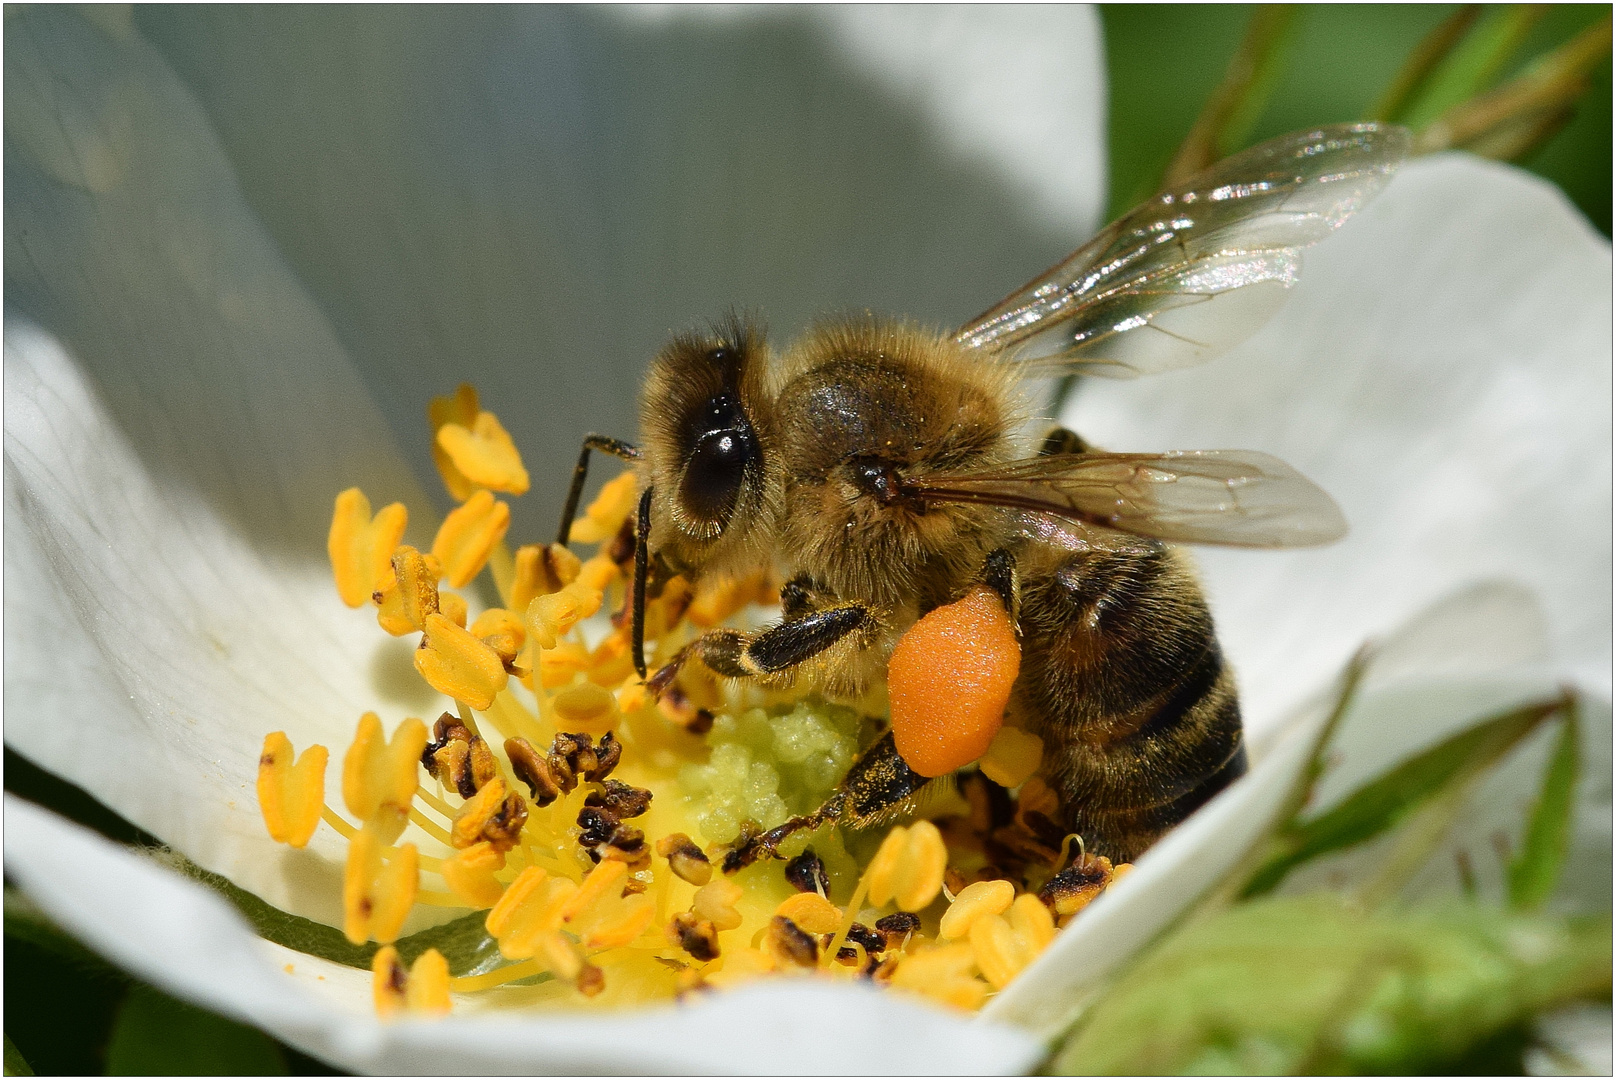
[881, 470]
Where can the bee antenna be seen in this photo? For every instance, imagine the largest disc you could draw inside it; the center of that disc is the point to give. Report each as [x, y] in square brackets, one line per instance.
[642, 565]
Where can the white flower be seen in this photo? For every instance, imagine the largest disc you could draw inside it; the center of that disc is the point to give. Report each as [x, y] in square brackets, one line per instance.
[244, 246]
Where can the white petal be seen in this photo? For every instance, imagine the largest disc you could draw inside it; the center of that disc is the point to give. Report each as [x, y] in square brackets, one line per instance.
[191, 942]
[533, 197]
[173, 443]
[1444, 370]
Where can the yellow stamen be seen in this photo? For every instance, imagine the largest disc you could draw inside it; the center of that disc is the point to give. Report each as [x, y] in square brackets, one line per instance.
[607, 513]
[423, 989]
[715, 902]
[741, 965]
[330, 817]
[975, 901]
[812, 912]
[484, 454]
[452, 606]
[555, 614]
[428, 826]
[410, 594]
[457, 665]
[377, 895]
[290, 795]
[529, 911]
[470, 984]
[490, 815]
[606, 877]
[501, 631]
[434, 802]
[377, 773]
[585, 708]
[360, 545]
[468, 535]
[598, 572]
[908, 867]
[461, 408]
[470, 875]
[541, 569]
[557, 666]
[1012, 757]
[439, 898]
[943, 973]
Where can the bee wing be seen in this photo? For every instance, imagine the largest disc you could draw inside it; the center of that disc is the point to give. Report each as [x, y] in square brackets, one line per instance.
[1236, 497]
[1198, 269]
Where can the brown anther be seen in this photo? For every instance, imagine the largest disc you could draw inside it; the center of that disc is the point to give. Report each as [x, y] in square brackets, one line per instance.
[881, 973]
[451, 764]
[788, 943]
[620, 800]
[806, 873]
[574, 758]
[685, 859]
[872, 941]
[897, 927]
[695, 935]
[534, 771]
[621, 549]
[504, 827]
[1071, 890]
[627, 846]
[591, 980]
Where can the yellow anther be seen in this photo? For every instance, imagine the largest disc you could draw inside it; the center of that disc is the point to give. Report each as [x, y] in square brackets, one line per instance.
[943, 973]
[908, 867]
[476, 813]
[1003, 948]
[461, 408]
[541, 569]
[608, 512]
[715, 902]
[360, 545]
[598, 573]
[290, 795]
[1032, 923]
[716, 599]
[469, 874]
[377, 895]
[501, 631]
[618, 922]
[528, 912]
[606, 878]
[586, 708]
[410, 592]
[468, 535]
[740, 966]
[632, 696]
[1012, 757]
[452, 606]
[976, 901]
[553, 615]
[1120, 871]
[613, 660]
[812, 912]
[484, 454]
[458, 665]
[424, 988]
[557, 666]
[379, 775]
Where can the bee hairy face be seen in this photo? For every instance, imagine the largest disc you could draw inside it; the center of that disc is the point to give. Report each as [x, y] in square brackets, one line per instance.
[708, 437]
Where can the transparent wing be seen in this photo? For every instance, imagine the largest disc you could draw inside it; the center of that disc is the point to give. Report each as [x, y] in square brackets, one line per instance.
[1237, 497]
[1198, 269]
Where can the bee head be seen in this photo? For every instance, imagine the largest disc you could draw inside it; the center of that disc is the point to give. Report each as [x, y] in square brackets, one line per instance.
[707, 433]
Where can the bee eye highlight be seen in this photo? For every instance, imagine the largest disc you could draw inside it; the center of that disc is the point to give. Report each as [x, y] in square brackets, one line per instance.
[718, 464]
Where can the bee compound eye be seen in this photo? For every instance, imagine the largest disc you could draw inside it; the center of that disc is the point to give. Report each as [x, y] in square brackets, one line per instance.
[714, 474]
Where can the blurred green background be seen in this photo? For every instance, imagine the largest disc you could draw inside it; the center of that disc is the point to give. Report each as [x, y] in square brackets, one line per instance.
[67, 1012]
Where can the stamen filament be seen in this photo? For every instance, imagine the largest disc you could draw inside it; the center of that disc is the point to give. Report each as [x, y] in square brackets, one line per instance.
[502, 565]
[435, 898]
[432, 828]
[434, 802]
[848, 916]
[470, 984]
[331, 818]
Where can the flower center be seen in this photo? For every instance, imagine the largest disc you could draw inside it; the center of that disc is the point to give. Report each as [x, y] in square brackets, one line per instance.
[561, 794]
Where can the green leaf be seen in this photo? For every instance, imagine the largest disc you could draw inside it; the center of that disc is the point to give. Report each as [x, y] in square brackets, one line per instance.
[1535, 870]
[1392, 797]
[1309, 985]
[15, 1065]
[155, 1035]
